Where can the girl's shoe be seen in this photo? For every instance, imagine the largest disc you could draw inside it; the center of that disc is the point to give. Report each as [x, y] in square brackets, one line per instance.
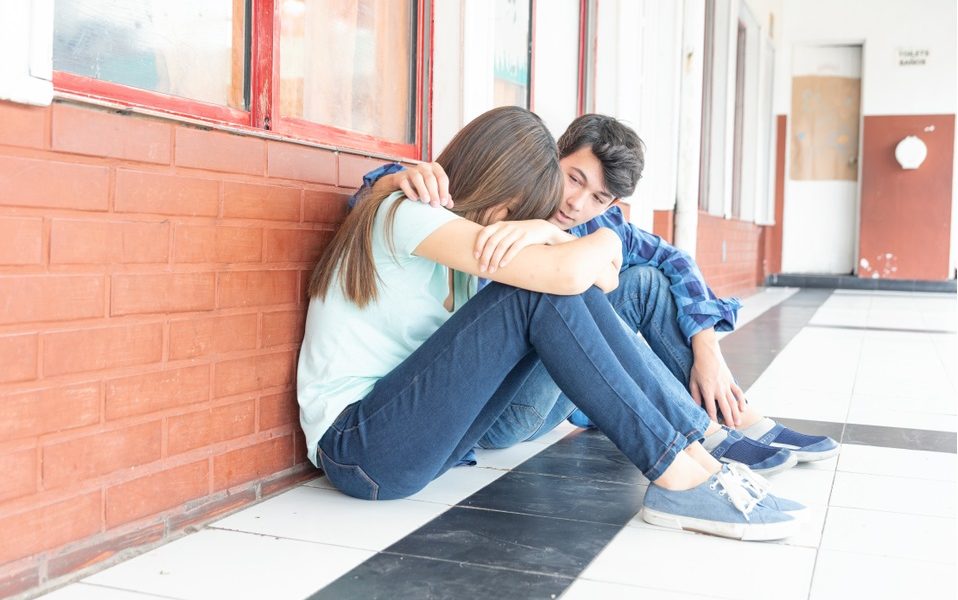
[806, 448]
[731, 447]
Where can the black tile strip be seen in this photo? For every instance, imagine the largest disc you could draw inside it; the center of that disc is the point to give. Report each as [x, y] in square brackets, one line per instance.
[401, 577]
[900, 437]
[890, 329]
[859, 283]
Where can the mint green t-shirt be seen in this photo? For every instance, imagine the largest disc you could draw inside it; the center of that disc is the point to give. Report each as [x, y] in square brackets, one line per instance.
[347, 349]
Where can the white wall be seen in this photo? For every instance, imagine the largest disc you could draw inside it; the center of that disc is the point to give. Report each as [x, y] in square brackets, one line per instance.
[555, 85]
[883, 27]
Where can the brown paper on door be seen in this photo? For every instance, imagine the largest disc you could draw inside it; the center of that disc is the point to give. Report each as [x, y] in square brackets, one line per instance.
[825, 127]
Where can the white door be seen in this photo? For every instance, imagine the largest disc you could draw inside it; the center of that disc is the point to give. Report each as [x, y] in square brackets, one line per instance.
[821, 187]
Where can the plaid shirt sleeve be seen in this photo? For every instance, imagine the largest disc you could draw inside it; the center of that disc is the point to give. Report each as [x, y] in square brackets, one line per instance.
[698, 306]
[369, 179]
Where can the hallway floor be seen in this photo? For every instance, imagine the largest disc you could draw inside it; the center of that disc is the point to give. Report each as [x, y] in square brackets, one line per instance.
[557, 517]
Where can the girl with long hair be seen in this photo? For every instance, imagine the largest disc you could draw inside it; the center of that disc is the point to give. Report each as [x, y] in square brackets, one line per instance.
[404, 366]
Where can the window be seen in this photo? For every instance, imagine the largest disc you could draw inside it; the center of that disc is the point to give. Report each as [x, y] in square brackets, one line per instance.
[511, 53]
[344, 72]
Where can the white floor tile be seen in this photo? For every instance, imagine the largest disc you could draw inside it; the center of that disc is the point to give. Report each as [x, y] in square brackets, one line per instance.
[843, 575]
[561, 430]
[811, 487]
[327, 516]
[507, 458]
[894, 494]
[798, 402]
[890, 534]
[895, 462]
[457, 484]
[228, 564]
[84, 591]
[875, 411]
[666, 559]
[585, 589]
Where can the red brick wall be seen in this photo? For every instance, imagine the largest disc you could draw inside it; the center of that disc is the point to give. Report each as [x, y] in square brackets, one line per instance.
[152, 297]
[663, 224]
[744, 267]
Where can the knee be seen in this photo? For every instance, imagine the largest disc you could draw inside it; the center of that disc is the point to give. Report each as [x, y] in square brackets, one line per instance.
[644, 277]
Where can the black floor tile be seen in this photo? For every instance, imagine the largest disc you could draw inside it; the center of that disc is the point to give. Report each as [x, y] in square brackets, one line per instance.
[900, 437]
[593, 461]
[568, 498]
[508, 540]
[394, 577]
[832, 430]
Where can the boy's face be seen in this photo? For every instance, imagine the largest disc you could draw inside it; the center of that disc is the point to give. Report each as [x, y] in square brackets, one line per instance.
[585, 196]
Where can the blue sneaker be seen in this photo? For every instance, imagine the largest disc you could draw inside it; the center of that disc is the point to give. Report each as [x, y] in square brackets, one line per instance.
[579, 419]
[806, 448]
[758, 487]
[730, 446]
[720, 506]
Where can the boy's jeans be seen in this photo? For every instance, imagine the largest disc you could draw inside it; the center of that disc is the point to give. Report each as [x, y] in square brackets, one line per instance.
[423, 416]
[645, 303]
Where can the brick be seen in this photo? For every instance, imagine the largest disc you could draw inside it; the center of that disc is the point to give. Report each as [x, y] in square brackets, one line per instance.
[253, 373]
[251, 201]
[283, 327]
[21, 241]
[207, 427]
[299, 475]
[295, 245]
[162, 293]
[47, 411]
[151, 392]
[257, 288]
[22, 125]
[32, 298]
[303, 163]
[104, 452]
[220, 151]
[352, 168]
[278, 410]
[11, 585]
[108, 242]
[141, 192]
[44, 183]
[102, 550]
[200, 244]
[210, 336]
[102, 133]
[324, 207]
[18, 355]
[156, 493]
[50, 526]
[253, 462]
[299, 448]
[19, 474]
[213, 509]
[102, 348]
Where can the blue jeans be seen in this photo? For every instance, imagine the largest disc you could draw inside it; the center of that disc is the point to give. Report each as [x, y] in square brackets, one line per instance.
[645, 303]
[424, 415]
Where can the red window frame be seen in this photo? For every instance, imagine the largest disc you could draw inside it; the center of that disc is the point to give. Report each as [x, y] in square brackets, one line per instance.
[263, 113]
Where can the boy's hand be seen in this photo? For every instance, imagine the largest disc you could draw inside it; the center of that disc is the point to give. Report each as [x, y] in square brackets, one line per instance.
[497, 244]
[711, 383]
[425, 182]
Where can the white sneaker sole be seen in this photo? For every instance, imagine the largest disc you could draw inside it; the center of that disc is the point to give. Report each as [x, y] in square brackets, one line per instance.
[814, 456]
[754, 532]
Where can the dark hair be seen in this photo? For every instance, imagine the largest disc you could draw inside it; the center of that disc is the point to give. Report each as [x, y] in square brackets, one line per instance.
[617, 146]
[504, 155]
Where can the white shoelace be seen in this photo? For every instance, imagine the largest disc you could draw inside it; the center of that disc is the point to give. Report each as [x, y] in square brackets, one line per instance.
[738, 495]
[757, 485]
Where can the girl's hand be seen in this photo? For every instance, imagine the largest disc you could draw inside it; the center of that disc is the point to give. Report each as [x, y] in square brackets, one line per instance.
[499, 243]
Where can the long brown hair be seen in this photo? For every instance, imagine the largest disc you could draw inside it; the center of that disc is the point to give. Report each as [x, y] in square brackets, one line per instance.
[503, 155]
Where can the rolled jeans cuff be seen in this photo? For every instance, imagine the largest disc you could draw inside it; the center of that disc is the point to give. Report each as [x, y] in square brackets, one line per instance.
[677, 444]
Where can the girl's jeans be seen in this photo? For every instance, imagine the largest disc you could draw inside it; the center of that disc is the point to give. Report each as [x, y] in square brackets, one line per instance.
[423, 416]
[645, 303]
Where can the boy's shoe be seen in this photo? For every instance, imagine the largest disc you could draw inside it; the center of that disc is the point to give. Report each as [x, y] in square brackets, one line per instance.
[720, 506]
[806, 448]
[758, 487]
[730, 446]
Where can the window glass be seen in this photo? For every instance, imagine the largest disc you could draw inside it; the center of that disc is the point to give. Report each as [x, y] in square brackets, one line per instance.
[193, 49]
[511, 53]
[350, 64]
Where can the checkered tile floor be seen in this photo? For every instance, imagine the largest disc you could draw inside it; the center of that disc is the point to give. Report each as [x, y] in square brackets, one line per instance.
[556, 517]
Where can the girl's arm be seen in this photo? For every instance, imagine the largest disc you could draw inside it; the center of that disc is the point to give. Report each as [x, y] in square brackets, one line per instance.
[569, 268]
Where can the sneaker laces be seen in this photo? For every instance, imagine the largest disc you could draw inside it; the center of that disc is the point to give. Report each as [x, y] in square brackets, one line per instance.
[737, 494]
[756, 485]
